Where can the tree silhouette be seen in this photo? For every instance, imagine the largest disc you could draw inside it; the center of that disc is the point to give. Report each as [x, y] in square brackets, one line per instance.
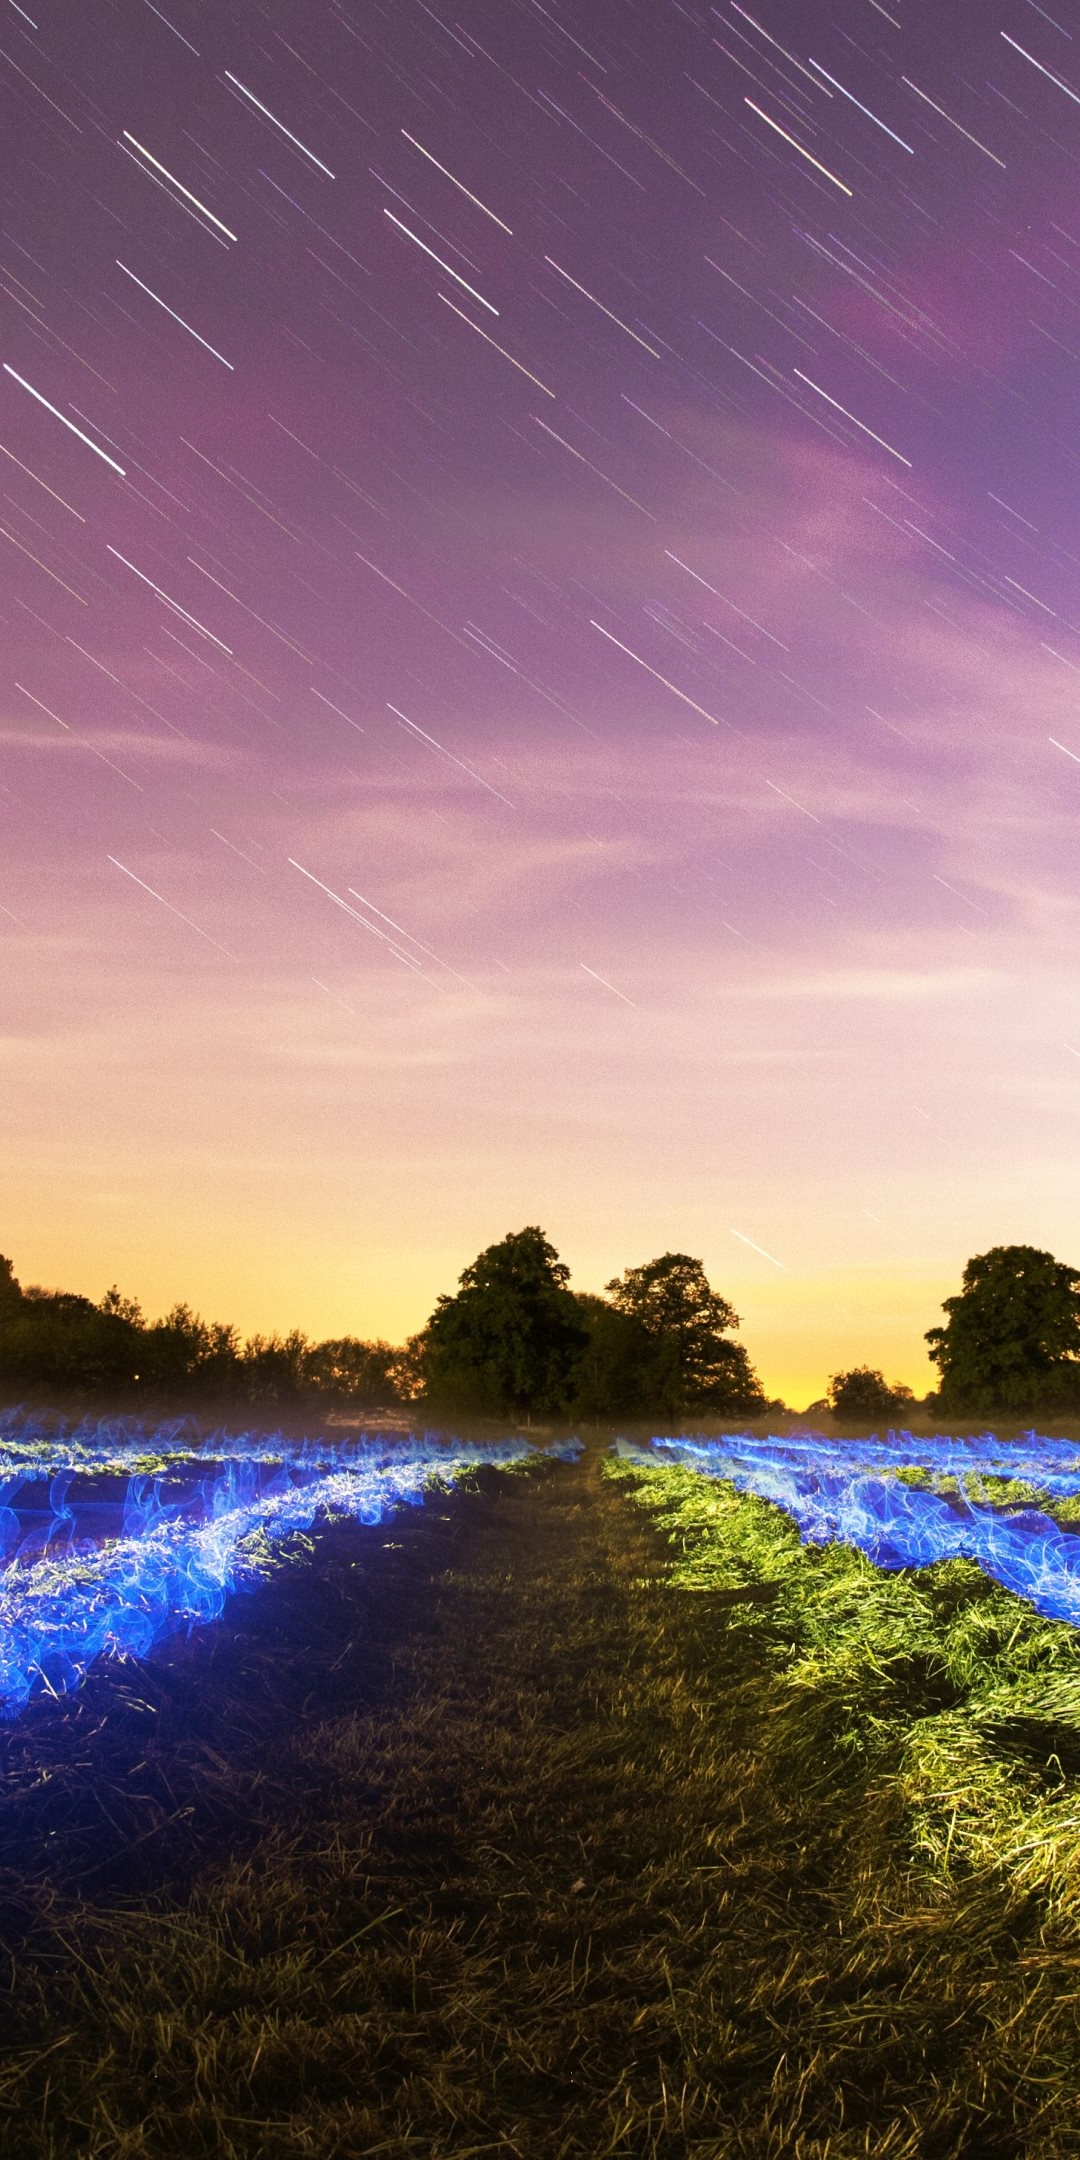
[277, 1370]
[57, 1342]
[184, 1354]
[863, 1392]
[362, 1374]
[1012, 1340]
[56, 1339]
[608, 1378]
[687, 1366]
[507, 1344]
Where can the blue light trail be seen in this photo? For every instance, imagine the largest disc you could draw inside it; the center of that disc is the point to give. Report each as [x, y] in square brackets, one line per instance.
[848, 1492]
[88, 1573]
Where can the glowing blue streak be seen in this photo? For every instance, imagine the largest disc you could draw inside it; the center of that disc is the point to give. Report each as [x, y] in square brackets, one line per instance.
[66, 1600]
[1050, 1465]
[36, 1443]
[848, 1492]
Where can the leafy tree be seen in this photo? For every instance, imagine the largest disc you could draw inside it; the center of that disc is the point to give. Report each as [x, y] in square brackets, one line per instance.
[62, 1343]
[863, 1392]
[508, 1342]
[1012, 1340]
[219, 1370]
[124, 1308]
[407, 1369]
[349, 1371]
[57, 1340]
[687, 1366]
[608, 1376]
[276, 1369]
[184, 1354]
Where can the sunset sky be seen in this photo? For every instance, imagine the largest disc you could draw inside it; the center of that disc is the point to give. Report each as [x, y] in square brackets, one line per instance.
[541, 626]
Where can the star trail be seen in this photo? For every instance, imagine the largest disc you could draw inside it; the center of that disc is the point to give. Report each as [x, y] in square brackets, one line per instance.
[600, 481]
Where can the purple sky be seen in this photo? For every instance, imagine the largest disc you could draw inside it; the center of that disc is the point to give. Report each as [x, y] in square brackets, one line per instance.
[541, 652]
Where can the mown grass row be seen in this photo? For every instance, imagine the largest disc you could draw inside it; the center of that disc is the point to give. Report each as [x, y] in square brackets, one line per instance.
[942, 1690]
[990, 1491]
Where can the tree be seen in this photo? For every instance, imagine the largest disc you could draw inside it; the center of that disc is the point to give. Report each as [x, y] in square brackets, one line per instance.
[276, 1370]
[407, 1369]
[608, 1376]
[60, 1342]
[863, 1392]
[349, 1371]
[687, 1366]
[123, 1308]
[184, 1354]
[57, 1340]
[1012, 1340]
[508, 1342]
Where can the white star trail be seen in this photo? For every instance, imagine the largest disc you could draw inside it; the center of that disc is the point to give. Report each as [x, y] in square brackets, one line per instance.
[862, 108]
[159, 167]
[1055, 79]
[417, 242]
[940, 110]
[755, 1248]
[457, 183]
[275, 122]
[860, 424]
[587, 295]
[522, 370]
[816, 162]
[95, 447]
[169, 601]
[176, 318]
[448, 754]
[162, 902]
[607, 985]
[636, 657]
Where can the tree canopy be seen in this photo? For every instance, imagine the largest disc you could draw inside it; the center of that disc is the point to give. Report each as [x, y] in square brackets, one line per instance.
[608, 1374]
[508, 1342]
[513, 1341]
[686, 1365]
[863, 1392]
[65, 1344]
[1012, 1338]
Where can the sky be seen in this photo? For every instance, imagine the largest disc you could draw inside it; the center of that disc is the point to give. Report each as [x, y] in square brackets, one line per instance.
[540, 652]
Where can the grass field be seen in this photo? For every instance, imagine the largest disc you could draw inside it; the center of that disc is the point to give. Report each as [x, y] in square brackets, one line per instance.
[582, 1812]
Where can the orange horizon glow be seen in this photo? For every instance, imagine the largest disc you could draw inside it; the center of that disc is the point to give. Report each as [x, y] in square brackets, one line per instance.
[797, 1333]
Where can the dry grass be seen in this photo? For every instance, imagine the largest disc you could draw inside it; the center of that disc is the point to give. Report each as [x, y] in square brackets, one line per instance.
[493, 1844]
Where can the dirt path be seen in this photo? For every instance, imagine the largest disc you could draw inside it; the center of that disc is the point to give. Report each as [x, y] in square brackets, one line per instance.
[481, 1865]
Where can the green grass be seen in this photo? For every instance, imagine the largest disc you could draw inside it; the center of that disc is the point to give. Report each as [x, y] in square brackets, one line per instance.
[937, 1717]
[934, 1678]
[989, 1491]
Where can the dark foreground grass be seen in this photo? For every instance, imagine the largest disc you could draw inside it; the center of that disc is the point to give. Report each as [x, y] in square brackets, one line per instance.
[475, 1835]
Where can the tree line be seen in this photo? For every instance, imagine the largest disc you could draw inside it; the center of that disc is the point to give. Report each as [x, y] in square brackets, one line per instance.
[514, 1341]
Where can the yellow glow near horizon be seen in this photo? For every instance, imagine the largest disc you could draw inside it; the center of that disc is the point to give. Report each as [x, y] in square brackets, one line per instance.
[797, 1330]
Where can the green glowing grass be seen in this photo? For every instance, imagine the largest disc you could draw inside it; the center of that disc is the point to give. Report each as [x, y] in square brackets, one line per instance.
[954, 1703]
[991, 1491]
